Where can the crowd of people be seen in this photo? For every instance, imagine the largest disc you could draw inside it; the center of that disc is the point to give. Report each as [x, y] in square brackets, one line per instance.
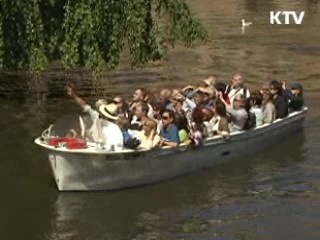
[187, 116]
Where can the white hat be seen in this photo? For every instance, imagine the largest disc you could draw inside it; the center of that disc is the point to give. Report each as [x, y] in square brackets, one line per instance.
[107, 110]
[210, 81]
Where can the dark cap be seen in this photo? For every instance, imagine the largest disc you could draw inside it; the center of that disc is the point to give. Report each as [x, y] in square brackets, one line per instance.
[296, 86]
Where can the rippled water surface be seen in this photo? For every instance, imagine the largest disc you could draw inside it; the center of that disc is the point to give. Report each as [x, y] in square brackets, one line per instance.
[272, 195]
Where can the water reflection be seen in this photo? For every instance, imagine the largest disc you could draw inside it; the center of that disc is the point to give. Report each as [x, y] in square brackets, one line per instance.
[191, 203]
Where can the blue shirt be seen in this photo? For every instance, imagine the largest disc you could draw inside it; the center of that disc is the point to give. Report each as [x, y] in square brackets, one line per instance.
[170, 134]
[126, 137]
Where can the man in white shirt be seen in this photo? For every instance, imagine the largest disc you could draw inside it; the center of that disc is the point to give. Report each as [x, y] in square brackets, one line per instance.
[138, 96]
[237, 87]
[104, 130]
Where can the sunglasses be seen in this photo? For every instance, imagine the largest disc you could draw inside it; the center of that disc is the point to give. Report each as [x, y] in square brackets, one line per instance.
[116, 102]
[165, 117]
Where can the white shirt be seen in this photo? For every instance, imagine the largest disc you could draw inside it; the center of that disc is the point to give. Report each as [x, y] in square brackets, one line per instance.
[235, 91]
[259, 115]
[103, 131]
[111, 135]
[150, 111]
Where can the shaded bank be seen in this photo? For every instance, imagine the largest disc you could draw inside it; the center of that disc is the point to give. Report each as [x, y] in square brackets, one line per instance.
[264, 52]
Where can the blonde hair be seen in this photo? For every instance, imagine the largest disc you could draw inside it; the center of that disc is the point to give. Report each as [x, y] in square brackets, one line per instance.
[152, 123]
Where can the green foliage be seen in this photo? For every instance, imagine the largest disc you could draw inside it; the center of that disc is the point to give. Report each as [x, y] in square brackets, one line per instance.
[91, 33]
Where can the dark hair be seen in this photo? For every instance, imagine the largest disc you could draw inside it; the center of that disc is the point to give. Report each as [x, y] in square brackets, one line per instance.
[181, 122]
[207, 112]
[276, 85]
[171, 114]
[256, 98]
[220, 86]
[221, 109]
[159, 106]
[197, 115]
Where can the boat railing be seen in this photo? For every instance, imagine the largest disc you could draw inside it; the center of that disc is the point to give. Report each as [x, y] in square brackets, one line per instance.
[207, 142]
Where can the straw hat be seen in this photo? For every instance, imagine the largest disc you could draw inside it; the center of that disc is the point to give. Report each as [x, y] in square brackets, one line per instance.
[177, 96]
[107, 110]
[188, 88]
[210, 81]
[206, 90]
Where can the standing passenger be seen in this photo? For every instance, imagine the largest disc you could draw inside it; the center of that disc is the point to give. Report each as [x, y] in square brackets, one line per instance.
[237, 87]
[139, 95]
[104, 129]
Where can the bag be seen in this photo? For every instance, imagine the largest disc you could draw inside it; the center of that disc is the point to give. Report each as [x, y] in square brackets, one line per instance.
[132, 143]
[69, 143]
[251, 121]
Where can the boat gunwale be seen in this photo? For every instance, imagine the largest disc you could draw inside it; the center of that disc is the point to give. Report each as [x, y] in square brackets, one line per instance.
[208, 142]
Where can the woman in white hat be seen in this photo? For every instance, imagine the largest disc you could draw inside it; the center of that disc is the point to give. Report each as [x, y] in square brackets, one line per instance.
[104, 130]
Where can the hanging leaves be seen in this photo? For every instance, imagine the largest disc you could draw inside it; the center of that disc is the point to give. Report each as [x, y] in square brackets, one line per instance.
[91, 34]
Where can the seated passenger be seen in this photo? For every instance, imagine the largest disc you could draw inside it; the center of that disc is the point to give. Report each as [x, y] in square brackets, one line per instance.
[251, 121]
[188, 91]
[196, 128]
[208, 122]
[180, 117]
[265, 87]
[295, 96]
[140, 95]
[221, 125]
[149, 138]
[238, 114]
[139, 117]
[169, 133]
[209, 82]
[123, 108]
[123, 124]
[279, 99]
[221, 89]
[165, 95]
[204, 97]
[158, 109]
[256, 101]
[268, 108]
[104, 130]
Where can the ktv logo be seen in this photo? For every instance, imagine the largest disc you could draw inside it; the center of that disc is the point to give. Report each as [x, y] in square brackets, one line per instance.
[289, 17]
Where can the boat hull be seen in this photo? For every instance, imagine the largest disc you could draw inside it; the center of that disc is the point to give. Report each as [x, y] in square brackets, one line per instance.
[78, 171]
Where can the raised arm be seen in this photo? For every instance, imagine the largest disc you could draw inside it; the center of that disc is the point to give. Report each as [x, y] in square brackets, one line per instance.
[220, 95]
[72, 93]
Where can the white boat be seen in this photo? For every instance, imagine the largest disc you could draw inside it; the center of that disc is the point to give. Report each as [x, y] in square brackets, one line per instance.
[93, 169]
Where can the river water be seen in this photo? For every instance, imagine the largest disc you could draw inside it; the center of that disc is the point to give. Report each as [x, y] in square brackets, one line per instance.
[272, 195]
